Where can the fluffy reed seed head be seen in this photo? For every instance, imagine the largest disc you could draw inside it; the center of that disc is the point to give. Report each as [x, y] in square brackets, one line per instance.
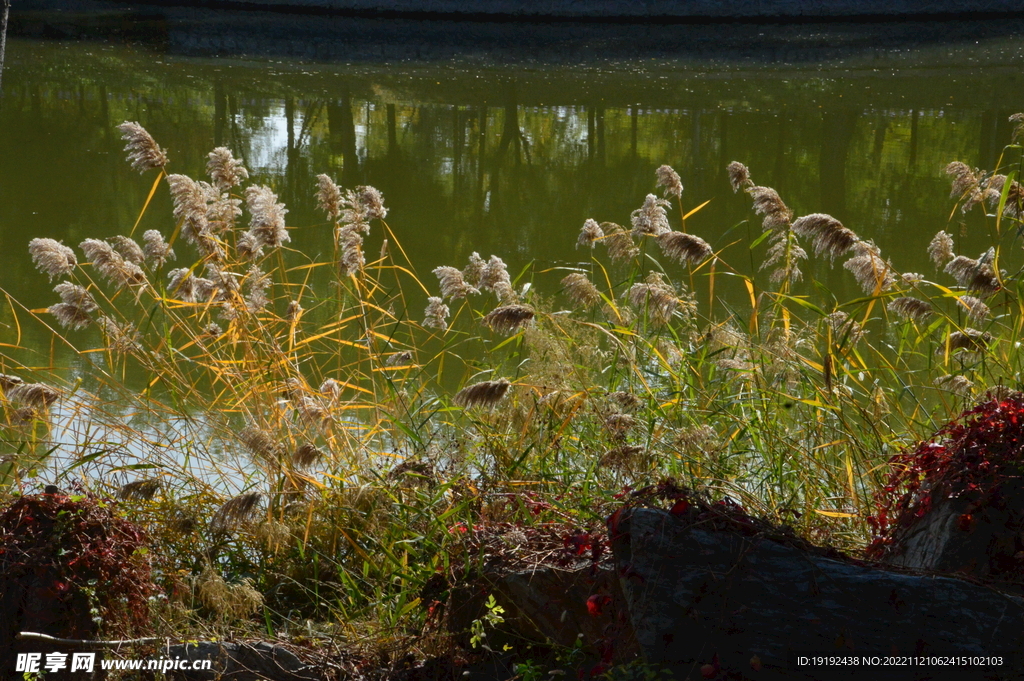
[509, 318]
[844, 327]
[120, 338]
[977, 311]
[222, 210]
[52, 257]
[485, 394]
[1018, 130]
[684, 248]
[189, 206]
[143, 152]
[871, 272]
[399, 359]
[307, 455]
[974, 275]
[109, 263]
[970, 340]
[958, 385]
[655, 296]
[619, 242]
[74, 310]
[155, 250]
[256, 284]
[331, 388]
[453, 283]
[618, 424]
[940, 250]
[261, 444]
[266, 224]
[473, 273]
[7, 382]
[911, 308]
[581, 290]
[436, 314]
[590, 234]
[495, 278]
[294, 312]
[140, 490]
[127, 248]
[328, 197]
[650, 219]
[784, 250]
[1014, 201]
[669, 179]
[739, 176]
[964, 179]
[767, 202]
[236, 511]
[225, 170]
[34, 395]
[350, 245]
[828, 234]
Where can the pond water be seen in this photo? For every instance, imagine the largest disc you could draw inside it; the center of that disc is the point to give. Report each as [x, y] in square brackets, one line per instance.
[509, 156]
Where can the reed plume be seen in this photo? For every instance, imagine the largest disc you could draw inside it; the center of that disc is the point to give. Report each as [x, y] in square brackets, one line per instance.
[155, 250]
[120, 338]
[871, 272]
[8, 381]
[1018, 129]
[294, 312]
[844, 327]
[650, 219]
[189, 208]
[142, 490]
[581, 290]
[350, 244]
[328, 197]
[35, 395]
[911, 308]
[739, 176]
[231, 601]
[307, 455]
[618, 425]
[974, 275]
[684, 248]
[1014, 207]
[473, 274]
[940, 250]
[509, 318]
[977, 311]
[236, 511]
[256, 284]
[767, 202]
[222, 210]
[590, 234]
[261, 444]
[970, 340]
[225, 170]
[964, 179]
[331, 388]
[436, 314]
[52, 257]
[143, 152]
[495, 278]
[453, 283]
[266, 222]
[784, 250]
[484, 394]
[669, 179]
[74, 310]
[828, 235]
[399, 358]
[109, 263]
[655, 296]
[619, 242]
[127, 248]
[958, 385]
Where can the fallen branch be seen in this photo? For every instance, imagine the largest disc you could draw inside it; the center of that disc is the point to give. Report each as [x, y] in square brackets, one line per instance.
[79, 643]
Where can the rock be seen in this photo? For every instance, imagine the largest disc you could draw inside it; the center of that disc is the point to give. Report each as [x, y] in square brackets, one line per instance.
[712, 599]
[239, 662]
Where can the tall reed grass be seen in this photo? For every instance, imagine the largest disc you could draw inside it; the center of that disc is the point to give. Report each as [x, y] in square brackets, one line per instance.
[287, 430]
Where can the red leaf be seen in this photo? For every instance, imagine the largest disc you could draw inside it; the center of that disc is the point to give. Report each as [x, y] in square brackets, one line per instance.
[680, 507]
[596, 602]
